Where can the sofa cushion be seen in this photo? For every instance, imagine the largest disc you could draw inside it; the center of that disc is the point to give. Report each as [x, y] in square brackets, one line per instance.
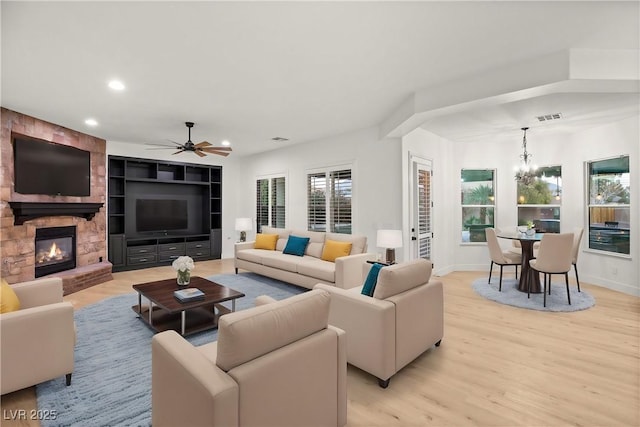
[358, 243]
[372, 279]
[253, 255]
[281, 261]
[296, 245]
[316, 242]
[398, 278]
[317, 268]
[283, 235]
[266, 241]
[334, 249]
[8, 299]
[248, 334]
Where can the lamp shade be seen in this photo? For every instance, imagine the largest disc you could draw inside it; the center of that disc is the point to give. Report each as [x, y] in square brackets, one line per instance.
[389, 239]
[243, 224]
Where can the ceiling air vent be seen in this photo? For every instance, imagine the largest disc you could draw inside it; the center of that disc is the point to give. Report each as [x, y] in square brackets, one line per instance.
[547, 117]
[279, 139]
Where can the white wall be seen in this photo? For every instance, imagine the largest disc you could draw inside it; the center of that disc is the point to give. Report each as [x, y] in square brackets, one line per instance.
[376, 179]
[568, 150]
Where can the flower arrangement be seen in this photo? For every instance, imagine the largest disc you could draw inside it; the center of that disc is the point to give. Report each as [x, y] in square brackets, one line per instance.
[183, 265]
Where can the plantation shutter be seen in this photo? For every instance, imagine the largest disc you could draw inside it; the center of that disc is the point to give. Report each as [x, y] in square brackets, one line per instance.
[317, 201]
[278, 202]
[424, 214]
[340, 201]
[262, 203]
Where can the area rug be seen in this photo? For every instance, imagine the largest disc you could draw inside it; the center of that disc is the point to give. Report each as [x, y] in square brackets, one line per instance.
[510, 295]
[111, 382]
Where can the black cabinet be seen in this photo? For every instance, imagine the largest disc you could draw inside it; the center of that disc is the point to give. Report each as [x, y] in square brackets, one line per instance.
[141, 241]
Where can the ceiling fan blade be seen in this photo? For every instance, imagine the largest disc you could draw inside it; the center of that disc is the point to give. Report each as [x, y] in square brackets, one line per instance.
[178, 152]
[203, 144]
[217, 148]
[213, 151]
[199, 153]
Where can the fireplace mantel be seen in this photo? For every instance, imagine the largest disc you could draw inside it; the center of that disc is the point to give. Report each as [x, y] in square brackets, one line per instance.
[25, 211]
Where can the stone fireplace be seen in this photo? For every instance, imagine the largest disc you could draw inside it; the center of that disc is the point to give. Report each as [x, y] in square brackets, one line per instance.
[26, 219]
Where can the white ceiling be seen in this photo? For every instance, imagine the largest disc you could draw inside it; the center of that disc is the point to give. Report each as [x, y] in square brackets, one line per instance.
[251, 71]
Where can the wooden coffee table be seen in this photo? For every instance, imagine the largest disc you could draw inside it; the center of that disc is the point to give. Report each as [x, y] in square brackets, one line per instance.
[165, 312]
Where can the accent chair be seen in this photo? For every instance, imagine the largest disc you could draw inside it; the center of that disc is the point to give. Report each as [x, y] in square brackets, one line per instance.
[577, 237]
[403, 318]
[38, 340]
[276, 364]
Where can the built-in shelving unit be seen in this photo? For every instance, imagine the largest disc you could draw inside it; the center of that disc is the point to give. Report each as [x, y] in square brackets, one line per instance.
[199, 186]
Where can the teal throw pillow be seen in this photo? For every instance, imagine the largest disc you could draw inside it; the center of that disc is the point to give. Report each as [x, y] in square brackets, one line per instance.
[296, 245]
[372, 280]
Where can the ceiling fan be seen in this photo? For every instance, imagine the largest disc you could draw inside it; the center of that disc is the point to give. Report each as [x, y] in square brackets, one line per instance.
[201, 149]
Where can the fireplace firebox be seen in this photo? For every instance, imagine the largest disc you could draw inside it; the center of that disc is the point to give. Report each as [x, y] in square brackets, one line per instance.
[55, 250]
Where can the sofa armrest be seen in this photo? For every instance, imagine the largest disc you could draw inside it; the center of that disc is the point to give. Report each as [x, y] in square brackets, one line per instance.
[342, 375]
[238, 246]
[370, 327]
[349, 270]
[39, 292]
[37, 344]
[186, 388]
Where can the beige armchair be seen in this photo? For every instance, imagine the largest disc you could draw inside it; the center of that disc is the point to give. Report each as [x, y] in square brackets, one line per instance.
[401, 321]
[38, 340]
[277, 364]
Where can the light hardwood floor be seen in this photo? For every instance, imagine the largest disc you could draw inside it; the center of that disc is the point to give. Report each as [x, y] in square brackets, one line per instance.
[497, 365]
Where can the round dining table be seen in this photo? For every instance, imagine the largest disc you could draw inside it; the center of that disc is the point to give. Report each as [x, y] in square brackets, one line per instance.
[528, 276]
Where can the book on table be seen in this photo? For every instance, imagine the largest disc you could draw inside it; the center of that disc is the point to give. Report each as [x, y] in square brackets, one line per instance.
[189, 294]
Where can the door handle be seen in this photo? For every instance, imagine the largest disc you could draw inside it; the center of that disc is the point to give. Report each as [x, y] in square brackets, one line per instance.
[414, 238]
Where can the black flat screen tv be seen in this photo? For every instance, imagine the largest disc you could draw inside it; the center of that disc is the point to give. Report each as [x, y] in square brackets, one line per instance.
[42, 167]
[153, 215]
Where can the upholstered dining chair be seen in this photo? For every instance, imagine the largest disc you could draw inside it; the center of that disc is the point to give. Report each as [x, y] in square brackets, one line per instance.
[577, 237]
[554, 257]
[500, 257]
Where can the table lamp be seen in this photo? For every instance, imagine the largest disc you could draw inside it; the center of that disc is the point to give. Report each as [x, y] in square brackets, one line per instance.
[242, 225]
[389, 239]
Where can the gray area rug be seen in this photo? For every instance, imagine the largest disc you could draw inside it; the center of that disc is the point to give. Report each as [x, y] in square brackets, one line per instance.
[557, 301]
[111, 383]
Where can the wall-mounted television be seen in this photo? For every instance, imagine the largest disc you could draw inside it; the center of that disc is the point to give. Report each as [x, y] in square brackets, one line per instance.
[42, 167]
[161, 215]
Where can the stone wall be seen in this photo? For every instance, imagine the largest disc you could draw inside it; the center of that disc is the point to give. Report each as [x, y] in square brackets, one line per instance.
[17, 248]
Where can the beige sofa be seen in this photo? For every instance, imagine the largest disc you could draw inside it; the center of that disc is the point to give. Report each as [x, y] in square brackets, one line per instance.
[278, 364]
[37, 341]
[310, 269]
[401, 321]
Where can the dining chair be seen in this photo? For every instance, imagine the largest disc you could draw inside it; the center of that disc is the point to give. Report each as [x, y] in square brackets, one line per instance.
[554, 257]
[577, 237]
[500, 257]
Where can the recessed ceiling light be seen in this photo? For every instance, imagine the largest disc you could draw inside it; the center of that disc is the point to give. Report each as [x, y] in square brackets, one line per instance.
[91, 122]
[116, 85]
[226, 143]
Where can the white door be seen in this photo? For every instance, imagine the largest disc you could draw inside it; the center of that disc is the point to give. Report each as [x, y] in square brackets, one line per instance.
[421, 208]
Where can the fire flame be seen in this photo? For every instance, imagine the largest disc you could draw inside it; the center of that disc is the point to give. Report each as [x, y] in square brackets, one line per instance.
[54, 251]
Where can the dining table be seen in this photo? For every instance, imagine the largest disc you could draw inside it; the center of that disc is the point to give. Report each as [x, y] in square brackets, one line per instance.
[528, 276]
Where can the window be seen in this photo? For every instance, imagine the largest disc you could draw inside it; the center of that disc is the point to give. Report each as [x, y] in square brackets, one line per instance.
[270, 202]
[478, 203]
[329, 196]
[539, 202]
[609, 205]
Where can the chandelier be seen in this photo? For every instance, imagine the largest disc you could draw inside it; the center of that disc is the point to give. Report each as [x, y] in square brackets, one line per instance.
[525, 172]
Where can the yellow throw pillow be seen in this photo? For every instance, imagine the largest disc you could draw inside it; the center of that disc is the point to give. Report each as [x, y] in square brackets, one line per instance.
[8, 299]
[266, 241]
[334, 249]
